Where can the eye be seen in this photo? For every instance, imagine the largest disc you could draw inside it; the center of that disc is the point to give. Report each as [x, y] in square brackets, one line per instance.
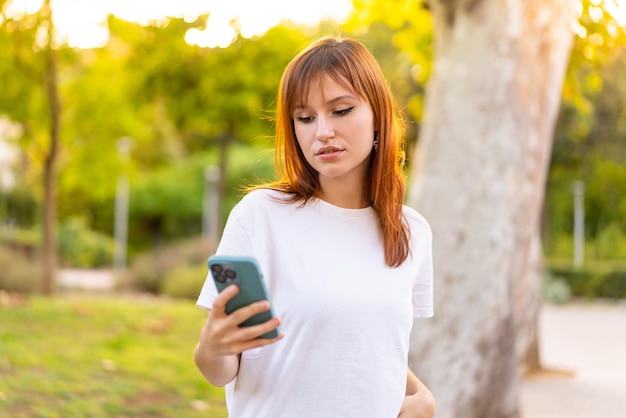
[344, 112]
[304, 119]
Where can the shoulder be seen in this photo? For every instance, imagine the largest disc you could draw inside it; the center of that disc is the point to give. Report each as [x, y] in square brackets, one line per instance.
[414, 218]
[417, 223]
[259, 199]
[265, 196]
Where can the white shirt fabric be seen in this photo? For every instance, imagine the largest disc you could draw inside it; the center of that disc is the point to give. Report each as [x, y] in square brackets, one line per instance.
[346, 316]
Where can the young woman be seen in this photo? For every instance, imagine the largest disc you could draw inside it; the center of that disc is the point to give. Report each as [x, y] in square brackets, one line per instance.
[347, 266]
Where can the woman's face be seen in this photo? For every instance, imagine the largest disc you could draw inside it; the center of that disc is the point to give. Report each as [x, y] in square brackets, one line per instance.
[335, 130]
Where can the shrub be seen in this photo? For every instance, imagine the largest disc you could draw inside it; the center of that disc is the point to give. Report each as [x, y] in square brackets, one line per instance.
[184, 281]
[148, 271]
[166, 203]
[611, 242]
[79, 246]
[594, 279]
[555, 289]
[19, 206]
[24, 240]
[19, 273]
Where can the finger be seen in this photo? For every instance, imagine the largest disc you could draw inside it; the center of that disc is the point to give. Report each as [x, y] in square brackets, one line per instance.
[255, 331]
[228, 329]
[248, 311]
[219, 304]
[256, 343]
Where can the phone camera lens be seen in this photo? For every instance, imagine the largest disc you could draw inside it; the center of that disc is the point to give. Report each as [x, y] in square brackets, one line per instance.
[224, 273]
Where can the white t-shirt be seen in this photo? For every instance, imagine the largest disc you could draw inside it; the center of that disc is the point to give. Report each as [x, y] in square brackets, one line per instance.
[346, 316]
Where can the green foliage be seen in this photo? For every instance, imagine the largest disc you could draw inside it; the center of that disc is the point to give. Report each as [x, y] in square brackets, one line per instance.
[406, 61]
[605, 210]
[18, 206]
[184, 281]
[26, 239]
[20, 273]
[187, 107]
[79, 246]
[555, 289]
[148, 271]
[248, 166]
[610, 243]
[100, 356]
[23, 99]
[166, 203]
[208, 93]
[589, 144]
[597, 37]
[594, 279]
[605, 195]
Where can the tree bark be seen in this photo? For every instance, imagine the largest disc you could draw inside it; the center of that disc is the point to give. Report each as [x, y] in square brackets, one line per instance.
[479, 178]
[50, 256]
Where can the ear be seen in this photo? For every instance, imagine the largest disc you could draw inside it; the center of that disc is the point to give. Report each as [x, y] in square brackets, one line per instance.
[375, 141]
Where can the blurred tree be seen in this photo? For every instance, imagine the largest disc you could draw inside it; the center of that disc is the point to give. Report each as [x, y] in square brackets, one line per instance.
[400, 34]
[31, 98]
[479, 178]
[213, 96]
[101, 108]
[599, 42]
[591, 130]
[147, 83]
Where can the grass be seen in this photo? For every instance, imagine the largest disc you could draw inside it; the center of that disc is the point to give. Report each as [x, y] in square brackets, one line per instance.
[102, 356]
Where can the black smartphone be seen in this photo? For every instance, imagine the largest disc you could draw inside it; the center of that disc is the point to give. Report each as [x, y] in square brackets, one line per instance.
[246, 274]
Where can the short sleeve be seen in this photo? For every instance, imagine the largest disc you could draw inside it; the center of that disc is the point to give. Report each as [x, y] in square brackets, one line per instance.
[423, 305]
[234, 241]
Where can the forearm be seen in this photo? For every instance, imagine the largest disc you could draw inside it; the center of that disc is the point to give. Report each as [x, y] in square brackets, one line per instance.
[218, 371]
[413, 384]
[418, 390]
[222, 340]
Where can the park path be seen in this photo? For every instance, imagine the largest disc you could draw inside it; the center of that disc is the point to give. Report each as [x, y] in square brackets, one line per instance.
[98, 280]
[583, 343]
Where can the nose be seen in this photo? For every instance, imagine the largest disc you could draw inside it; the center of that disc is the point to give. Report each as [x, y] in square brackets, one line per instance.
[324, 130]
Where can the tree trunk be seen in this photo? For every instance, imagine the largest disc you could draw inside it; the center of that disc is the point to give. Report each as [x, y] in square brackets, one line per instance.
[49, 175]
[479, 178]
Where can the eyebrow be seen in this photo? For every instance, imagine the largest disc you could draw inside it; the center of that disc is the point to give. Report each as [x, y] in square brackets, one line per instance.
[340, 98]
[329, 102]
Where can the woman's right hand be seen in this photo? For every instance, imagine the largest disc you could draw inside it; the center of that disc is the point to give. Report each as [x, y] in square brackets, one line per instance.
[222, 335]
[222, 339]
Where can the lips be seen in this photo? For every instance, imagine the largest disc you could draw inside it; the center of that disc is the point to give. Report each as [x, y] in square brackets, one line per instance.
[328, 150]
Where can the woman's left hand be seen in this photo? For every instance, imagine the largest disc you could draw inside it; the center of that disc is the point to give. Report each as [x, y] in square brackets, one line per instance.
[418, 405]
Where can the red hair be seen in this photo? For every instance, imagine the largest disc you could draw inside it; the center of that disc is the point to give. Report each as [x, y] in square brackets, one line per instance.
[352, 65]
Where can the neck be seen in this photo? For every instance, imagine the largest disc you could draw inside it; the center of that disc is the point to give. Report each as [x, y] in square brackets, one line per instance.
[342, 194]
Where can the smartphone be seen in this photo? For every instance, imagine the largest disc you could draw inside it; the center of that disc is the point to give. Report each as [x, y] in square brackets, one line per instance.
[244, 272]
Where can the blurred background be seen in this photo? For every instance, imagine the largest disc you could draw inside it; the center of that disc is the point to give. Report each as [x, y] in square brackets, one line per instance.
[128, 130]
[158, 105]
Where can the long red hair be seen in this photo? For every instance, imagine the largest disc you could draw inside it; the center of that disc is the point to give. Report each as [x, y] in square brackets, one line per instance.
[351, 64]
